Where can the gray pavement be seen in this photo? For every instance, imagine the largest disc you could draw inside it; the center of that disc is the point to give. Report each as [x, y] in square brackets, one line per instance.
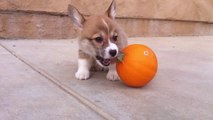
[37, 82]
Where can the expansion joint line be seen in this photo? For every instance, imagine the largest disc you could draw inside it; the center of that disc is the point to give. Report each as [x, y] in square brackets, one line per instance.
[63, 87]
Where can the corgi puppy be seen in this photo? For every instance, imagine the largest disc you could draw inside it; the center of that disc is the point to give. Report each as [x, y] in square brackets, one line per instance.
[100, 41]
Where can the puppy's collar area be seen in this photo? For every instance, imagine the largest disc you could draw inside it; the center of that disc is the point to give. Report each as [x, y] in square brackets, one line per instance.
[104, 62]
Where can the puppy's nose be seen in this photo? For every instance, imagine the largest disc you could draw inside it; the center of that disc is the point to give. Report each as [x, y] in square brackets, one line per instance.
[113, 52]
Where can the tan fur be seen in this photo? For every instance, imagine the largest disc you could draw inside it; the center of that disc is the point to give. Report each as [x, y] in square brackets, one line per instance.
[93, 27]
[83, 55]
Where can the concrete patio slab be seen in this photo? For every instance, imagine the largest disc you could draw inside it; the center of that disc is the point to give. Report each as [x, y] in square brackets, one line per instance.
[27, 95]
[181, 89]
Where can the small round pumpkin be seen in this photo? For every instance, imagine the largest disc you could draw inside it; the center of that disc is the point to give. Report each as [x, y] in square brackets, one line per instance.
[137, 65]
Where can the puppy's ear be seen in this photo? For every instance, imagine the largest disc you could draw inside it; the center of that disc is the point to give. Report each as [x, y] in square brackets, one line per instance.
[111, 10]
[77, 18]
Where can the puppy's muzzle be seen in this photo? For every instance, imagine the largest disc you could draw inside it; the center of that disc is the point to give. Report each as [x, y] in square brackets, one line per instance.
[104, 62]
[113, 53]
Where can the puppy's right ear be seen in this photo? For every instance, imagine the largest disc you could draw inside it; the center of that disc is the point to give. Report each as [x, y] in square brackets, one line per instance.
[77, 18]
[111, 10]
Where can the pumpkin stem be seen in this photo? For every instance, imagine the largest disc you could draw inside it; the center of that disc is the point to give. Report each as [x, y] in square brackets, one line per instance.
[120, 57]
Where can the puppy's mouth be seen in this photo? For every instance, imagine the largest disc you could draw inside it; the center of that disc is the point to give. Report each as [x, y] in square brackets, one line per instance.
[104, 62]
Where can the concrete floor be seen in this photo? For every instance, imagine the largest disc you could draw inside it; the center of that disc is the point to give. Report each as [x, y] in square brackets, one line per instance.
[37, 82]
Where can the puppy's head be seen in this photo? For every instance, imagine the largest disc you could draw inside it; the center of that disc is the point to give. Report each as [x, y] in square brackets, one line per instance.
[101, 37]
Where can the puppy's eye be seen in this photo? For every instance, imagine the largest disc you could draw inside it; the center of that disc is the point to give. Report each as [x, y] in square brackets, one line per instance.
[115, 38]
[99, 39]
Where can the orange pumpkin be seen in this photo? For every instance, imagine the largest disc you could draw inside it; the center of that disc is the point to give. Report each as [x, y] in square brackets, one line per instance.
[137, 65]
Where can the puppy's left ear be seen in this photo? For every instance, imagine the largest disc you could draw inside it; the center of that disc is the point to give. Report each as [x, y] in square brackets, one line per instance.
[77, 18]
[111, 10]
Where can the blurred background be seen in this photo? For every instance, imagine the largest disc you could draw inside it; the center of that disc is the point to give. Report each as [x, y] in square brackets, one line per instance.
[47, 19]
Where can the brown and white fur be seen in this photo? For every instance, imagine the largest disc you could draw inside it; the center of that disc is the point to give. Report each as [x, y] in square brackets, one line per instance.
[100, 41]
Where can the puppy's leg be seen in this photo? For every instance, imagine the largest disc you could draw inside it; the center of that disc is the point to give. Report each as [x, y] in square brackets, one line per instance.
[84, 64]
[112, 73]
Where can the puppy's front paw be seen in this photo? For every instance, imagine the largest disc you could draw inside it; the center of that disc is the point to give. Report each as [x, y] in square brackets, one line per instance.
[112, 75]
[82, 75]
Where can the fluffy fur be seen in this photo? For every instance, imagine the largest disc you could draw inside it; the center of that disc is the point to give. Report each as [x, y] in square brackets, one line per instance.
[100, 41]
